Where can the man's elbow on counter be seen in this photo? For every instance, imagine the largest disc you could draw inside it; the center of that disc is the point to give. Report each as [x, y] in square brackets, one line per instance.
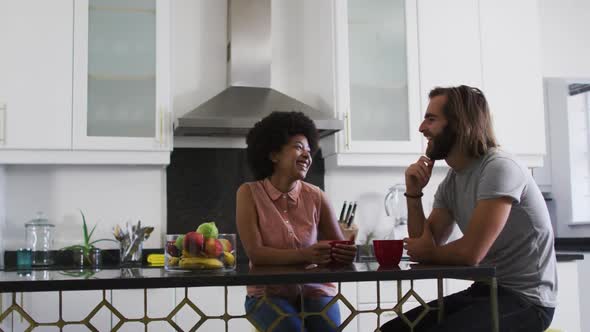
[471, 257]
[472, 261]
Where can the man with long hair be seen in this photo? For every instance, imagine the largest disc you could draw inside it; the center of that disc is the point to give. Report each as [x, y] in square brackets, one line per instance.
[499, 209]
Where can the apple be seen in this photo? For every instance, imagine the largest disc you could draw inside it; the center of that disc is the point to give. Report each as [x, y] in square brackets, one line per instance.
[208, 229]
[226, 245]
[193, 242]
[180, 242]
[213, 248]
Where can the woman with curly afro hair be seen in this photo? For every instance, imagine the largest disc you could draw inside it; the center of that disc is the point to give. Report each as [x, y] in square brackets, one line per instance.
[280, 219]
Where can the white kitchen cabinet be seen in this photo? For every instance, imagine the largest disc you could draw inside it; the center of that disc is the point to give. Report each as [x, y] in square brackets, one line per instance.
[367, 299]
[421, 38]
[43, 307]
[453, 286]
[121, 75]
[368, 321]
[511, 71]
[449, 45]
[583, 277]
[567, 314]
[36, 74]
[211, 302]
[130, 303]
[376, 83]
[5, 302]
[85, 82]
[488, 44]
[367, 291]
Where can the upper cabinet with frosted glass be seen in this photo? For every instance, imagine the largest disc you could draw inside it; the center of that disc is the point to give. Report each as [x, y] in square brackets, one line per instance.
[389, 54]
[121, 75]
[377, 85]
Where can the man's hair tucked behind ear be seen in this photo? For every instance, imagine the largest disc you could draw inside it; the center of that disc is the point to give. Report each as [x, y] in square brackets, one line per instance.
[469, 118]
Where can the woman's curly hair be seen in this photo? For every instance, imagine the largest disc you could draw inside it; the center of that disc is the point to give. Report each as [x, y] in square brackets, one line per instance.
[271, 134]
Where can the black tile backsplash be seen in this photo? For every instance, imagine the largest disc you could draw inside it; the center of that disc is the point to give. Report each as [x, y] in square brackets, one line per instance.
[202, 183]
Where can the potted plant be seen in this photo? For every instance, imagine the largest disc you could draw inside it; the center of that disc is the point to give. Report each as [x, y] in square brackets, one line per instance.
[86, 250]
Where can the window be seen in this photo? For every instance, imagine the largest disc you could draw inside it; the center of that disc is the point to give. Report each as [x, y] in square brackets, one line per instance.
[578, 110]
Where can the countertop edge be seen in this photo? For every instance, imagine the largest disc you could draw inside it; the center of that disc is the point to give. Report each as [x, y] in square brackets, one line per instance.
[575, 244]
[569, 256]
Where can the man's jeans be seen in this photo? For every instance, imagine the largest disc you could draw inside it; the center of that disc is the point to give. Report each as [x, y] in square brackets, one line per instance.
[470, 310]
[265, 314]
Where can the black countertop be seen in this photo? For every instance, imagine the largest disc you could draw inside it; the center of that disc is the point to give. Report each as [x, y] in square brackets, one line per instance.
[134, 278]
[569, 256]
[572, 244]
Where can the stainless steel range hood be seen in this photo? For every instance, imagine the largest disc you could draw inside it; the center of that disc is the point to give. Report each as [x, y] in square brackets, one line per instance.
[249, 97]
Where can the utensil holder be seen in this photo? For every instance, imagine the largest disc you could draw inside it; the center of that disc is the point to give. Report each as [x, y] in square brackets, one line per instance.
[129, 254]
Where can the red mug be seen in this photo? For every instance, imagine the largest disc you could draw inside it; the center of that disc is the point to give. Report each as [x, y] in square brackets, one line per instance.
[335, 242]
[388, 252]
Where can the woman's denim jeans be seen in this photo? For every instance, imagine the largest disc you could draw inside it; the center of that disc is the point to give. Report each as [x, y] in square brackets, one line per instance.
[265, 315]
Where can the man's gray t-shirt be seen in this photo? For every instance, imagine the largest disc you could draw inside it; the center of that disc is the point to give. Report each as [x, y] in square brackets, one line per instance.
[523, 253]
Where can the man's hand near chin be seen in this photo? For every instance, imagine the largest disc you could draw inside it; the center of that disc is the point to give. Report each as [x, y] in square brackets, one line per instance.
[421, 249]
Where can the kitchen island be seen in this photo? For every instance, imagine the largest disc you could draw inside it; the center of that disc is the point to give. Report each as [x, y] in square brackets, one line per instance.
[14, 282]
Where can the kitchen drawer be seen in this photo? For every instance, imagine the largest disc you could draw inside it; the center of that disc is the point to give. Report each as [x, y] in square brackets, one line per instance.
[456, 285]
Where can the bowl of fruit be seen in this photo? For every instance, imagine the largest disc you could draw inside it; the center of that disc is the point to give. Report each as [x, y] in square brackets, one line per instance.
[203, 249]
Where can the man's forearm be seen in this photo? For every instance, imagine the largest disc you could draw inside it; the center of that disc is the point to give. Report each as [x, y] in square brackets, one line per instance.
[416, 218]
[454, 253]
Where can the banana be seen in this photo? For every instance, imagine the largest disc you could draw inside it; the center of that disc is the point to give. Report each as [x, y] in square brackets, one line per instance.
[200, 262]
[173, 261]
[229, 259]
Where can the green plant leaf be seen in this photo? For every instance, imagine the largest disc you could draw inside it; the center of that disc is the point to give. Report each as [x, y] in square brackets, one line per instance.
[91, 232]
[76, 246]
[87, 245]
[84, 229]
[99, 240]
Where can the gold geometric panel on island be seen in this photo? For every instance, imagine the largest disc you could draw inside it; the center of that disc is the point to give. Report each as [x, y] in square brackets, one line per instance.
[197, 319]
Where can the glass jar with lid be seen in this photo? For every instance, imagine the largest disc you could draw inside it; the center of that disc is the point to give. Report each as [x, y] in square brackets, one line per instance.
[39, 238]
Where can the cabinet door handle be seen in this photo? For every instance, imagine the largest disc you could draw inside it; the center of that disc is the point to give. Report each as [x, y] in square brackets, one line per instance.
[167, 130]
[171, 129]
[2, 123]
[347, 134]
[161, 125]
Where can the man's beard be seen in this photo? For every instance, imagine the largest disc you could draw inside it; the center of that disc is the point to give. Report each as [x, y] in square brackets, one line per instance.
[441, 144]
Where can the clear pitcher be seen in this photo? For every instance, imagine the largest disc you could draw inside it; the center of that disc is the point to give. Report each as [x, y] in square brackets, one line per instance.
[395, 204]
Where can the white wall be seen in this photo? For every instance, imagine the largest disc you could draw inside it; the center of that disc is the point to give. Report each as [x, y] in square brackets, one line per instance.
[368, 186]
[108, 195]
[564, 38]
[2, 213]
